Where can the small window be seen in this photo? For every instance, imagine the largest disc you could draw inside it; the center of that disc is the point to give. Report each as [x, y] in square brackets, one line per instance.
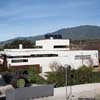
[95, 66]
[20, 60]
[39, 47]
[77, 57]
[60, 46]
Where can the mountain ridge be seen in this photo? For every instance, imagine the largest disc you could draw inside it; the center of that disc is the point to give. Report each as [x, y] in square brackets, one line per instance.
[82, 32]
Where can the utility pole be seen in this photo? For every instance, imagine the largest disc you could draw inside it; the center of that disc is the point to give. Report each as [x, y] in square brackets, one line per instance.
[66, 84]
[68, 97]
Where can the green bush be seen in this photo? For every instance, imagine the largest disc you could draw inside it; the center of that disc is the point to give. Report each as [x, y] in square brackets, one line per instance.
[81, 75]
[34, 78]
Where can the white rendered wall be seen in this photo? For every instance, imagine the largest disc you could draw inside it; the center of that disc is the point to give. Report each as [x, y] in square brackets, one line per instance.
[69, 58]
[65, 57]
[50, 43]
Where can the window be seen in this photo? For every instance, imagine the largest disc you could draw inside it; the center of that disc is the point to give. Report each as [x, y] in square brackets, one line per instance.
[44, 55]
[77, 57]
[20, 60]
[60, 46]
[18, 56]
[35, 55]
[39, 47]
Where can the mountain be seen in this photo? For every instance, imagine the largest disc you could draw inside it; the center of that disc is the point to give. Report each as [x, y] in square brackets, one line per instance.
[83, 32]
[80, 32]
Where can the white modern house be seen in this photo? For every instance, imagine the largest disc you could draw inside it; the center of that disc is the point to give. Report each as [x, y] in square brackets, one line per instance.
[48, 51]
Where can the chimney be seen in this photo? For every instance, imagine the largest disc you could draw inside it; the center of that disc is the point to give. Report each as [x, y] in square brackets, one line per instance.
[20, 46]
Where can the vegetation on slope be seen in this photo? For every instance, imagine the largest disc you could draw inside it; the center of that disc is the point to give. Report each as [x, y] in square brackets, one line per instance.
[15, 44]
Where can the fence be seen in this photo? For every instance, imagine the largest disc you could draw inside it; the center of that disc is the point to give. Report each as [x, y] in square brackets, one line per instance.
[28, 93]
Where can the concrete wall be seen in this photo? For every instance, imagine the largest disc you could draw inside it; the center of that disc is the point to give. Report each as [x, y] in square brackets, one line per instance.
[30, 92]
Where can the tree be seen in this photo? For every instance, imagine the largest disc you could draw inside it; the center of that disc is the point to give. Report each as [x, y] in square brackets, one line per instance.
[81, 75]
[57, 76]
[34, 78]
[3, 67]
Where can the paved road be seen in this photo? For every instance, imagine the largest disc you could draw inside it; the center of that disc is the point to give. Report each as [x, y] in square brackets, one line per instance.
[87, 91]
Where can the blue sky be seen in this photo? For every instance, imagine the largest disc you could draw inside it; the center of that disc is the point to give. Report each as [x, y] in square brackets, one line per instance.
[35, 17]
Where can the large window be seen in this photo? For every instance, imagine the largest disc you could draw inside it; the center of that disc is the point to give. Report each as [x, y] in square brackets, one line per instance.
[78, 57]
[60, 46]
[44, 55]
[20, 60]
[35, 55]
[18, 56]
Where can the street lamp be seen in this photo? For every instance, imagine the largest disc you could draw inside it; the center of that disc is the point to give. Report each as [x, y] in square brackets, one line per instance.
[66, 79]
[66, 66]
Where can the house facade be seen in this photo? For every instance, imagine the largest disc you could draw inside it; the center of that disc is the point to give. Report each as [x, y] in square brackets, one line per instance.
[48, 51]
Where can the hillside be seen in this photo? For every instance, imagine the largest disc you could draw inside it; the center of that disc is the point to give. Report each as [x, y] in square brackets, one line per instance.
[84, 32]
[80, 32]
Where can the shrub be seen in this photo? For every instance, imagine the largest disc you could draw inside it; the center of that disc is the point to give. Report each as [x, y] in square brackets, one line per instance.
[34, 77]
[81, 75]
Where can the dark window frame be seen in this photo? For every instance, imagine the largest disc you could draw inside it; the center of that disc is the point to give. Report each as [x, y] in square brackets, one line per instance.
[35, 55]
[80, 57]
[60, 46]
[19, 60]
